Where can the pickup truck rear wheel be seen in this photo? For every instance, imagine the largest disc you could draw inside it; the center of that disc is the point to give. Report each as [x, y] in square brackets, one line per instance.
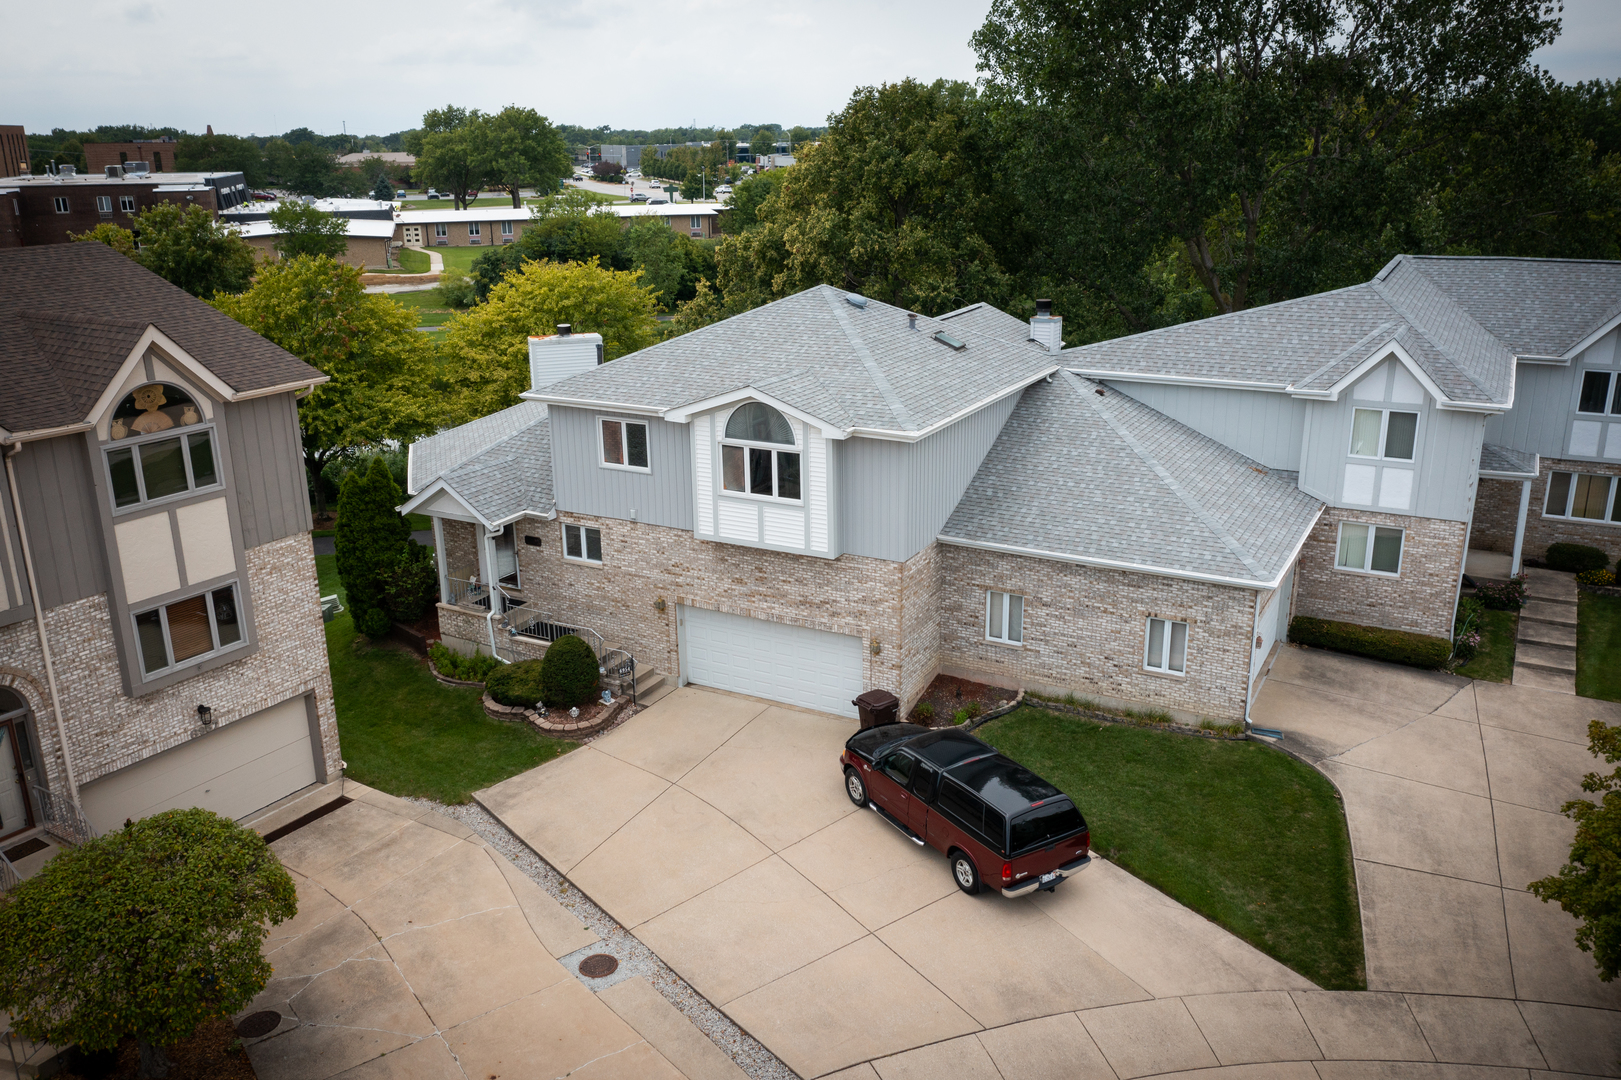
[964, 872]
[854, 787]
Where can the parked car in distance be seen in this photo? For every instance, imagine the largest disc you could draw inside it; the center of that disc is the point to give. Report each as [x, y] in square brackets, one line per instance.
[658, 202]
[432, 194]
[640, 196]
[724, 189]
[997, 822]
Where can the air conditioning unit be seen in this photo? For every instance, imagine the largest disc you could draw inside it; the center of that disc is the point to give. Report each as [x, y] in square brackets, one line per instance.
[113, 172]
[136, 168]
[67, 170]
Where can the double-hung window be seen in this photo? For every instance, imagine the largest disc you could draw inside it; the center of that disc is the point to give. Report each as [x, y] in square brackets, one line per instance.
[104, 204]
[1166, 648]
[126, 203]
[748, 468]
[190, 629]
[441, 229]
[582, 543]
[1583, 496]
[624, 445]
[1384, 433]
[1601, 393]
[1004, 617]
[506, 228]
[1372, 549]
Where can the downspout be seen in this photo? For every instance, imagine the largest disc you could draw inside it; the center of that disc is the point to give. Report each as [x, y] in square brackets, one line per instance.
[39, 622]
[1519, 527]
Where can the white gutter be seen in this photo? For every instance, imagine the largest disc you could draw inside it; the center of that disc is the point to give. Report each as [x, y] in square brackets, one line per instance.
[1099, 375]
[284, 388]
[39, 622]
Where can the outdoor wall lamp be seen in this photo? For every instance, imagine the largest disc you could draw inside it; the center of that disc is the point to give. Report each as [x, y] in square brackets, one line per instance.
[205, 716]
[658, 605]
[877, 648]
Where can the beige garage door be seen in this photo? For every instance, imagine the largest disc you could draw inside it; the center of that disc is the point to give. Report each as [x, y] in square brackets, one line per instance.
[232, 771]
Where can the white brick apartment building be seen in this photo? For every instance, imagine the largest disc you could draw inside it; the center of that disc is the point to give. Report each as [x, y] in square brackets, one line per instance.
[828, 494]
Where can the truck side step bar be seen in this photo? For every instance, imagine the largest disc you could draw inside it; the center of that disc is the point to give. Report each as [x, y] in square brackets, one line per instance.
[887, 816]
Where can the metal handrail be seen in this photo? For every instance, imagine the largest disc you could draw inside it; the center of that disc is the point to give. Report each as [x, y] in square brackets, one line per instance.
[468, 592]
[9, 878]
[62, 818]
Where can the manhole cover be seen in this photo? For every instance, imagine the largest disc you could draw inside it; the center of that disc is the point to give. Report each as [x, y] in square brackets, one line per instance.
[260, 1023]
[598, 966]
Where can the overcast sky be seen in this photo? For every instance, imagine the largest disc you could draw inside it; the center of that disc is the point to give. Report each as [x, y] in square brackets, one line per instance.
[376, 66]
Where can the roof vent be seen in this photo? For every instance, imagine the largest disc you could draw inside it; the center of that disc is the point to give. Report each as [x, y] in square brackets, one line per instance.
[136, 168]
[854, 300]
[911, 320]
[112, 171]
[67, 170]
[564, 329]
[946, 339]
[1044, 307]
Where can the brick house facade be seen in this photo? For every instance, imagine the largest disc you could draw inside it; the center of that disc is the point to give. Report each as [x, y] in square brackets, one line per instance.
[1498, 507]
[1419, 599]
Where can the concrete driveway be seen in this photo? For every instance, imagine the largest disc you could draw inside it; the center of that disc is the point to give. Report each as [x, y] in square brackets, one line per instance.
[420, 953]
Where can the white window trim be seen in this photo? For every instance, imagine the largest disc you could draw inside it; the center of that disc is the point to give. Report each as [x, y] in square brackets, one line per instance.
[1165, 648]
[581, 558]
[168, 646]
[506, 228]
[61, 204]
[1384, 432]
[474, 229]
[1609, 503]
[140, 476]
[792, 448]
[104, 204]
[1609, 392]
[1024, 612]
[1401, 559]
[126, 203]
[602, 448]
[441, 229]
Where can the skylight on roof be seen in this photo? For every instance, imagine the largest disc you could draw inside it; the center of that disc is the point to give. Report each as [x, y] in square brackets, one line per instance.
[855, 300]
[946, 339]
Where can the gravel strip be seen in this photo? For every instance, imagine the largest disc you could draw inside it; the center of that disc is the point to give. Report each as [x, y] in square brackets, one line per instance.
[634, 957]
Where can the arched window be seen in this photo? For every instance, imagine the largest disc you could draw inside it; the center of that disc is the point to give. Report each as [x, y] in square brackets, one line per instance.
[759, 422]
[162, 462]
[759, 470]
[153, 408]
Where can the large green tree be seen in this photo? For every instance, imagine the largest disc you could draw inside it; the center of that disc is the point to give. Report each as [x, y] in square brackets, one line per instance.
[1267, 143]
[302, 229]
[447, 152]
[486, 354]
[381, 370]
[186, 247]
[222, 153]
[670, 261]
[1588, 886]
[518, 148]
[147, 931]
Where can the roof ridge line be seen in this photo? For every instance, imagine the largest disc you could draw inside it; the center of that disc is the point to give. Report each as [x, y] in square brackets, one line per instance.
[898, 407]
[1382, 290]
[1362, 342]
[1228, 541]
[1218, 318]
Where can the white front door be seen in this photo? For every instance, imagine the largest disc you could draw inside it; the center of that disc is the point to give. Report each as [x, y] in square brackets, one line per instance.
[795, 665]
[13, 800]
[413, 235]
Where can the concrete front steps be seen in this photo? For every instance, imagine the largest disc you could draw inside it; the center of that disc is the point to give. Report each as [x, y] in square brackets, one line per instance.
[1545, 653]
[651, 683]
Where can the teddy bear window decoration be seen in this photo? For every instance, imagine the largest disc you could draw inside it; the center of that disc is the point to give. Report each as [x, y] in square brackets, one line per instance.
[153, 408]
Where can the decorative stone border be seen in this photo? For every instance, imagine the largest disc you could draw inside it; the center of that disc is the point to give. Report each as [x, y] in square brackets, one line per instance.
[1110, 718]
[556, 724]
[1599, 590]
[984, 718]
[448, 681]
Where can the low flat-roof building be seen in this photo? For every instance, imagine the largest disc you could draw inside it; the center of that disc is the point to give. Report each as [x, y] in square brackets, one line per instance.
[46, 209]
[369, 241]
[347, 208]
[157, 153]
[481, 226]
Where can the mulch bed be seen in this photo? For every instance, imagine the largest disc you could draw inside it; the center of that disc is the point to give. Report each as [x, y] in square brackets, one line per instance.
[207, 1055]
[947, 694]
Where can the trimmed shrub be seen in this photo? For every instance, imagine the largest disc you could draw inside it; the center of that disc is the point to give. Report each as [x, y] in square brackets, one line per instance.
[1396, 646]
[568, 673]
[924, 711]
[516, 684]
[453, 665]
[1502, 595]
[1574, 558]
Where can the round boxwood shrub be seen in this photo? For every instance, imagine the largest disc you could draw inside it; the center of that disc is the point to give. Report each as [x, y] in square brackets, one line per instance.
[1574, 558]
[568, 673]
[516, 684]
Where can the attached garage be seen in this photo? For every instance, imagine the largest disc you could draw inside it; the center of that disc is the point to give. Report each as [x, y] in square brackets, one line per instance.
[795, 665]
[233, 771]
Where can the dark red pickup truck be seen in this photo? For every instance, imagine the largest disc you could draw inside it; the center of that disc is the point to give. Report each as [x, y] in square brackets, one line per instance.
[996, 821]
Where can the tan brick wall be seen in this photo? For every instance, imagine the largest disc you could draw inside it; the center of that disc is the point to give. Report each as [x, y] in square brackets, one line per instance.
[1084, 630]
[108, 730]
[362, 251]
[1497, 509]
[1541, 531]
[489, 233]
[461, 548]
[1420, 600]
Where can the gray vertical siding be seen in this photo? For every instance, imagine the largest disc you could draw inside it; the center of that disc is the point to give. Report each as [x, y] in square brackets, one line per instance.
[893, 497]
[662, 496]
[267, 464]
[62, 519]
[12, 570]
[1263, 426]
[1544, 397]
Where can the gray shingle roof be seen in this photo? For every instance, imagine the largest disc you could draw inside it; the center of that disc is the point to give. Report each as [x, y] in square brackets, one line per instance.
[1506, 459]
[1536, 307]
[1108, 478]
[854, 367]
[434, 456]
[994, 322]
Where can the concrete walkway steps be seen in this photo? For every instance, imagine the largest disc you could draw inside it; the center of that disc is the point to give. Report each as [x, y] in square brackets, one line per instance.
[1545, 652]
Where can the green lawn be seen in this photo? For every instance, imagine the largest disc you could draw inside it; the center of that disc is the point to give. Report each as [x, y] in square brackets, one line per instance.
[418, 521]
[413, 261]
[1495, 660]
[1243, 834]
[1598, 646]
[450, 204]
[405, 733]
[428, 306]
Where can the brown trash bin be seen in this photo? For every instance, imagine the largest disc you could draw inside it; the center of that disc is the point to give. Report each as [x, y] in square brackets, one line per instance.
[877, 707]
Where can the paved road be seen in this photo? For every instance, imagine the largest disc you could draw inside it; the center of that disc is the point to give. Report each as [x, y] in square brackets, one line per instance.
[818, 928]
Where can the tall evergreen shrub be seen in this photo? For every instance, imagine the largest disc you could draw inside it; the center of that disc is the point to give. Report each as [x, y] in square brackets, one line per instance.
[371, 540]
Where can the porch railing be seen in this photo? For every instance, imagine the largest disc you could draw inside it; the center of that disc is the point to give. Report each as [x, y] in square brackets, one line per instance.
[61, 818]
[8, 874]
[468, 592]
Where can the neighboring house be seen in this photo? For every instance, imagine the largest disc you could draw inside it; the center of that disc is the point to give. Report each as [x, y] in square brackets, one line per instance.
[159, 154]
[370, 241]
[699, 220]
[160, 630]
[492, 226]
[46, 209]
[826, 494]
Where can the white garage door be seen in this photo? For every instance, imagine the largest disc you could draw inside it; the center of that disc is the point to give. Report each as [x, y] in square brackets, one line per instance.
[791, 664]
[233, 771]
